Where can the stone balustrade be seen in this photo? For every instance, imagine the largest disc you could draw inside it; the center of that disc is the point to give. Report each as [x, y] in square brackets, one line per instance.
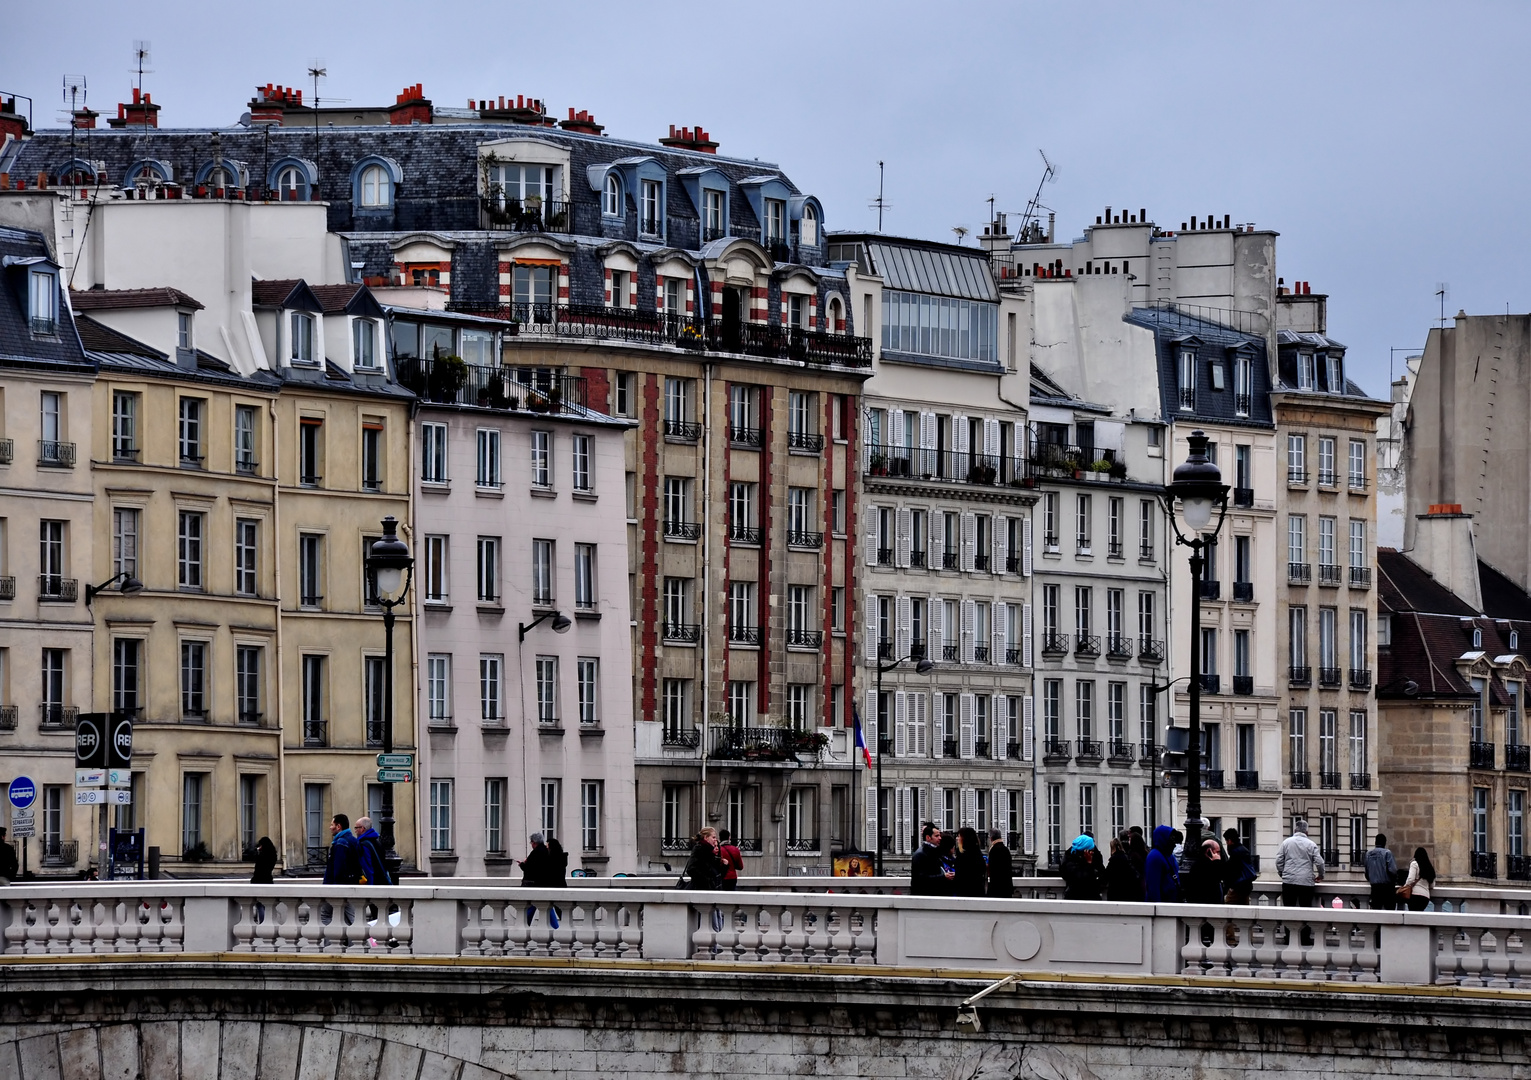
[637, 923]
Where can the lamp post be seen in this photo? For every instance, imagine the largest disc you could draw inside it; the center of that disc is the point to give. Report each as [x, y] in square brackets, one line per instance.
[922, 667]
[1198, 484]
[391, 568]
[130, 586]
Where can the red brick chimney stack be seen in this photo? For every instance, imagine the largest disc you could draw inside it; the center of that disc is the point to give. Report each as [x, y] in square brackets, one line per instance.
[689, 139]
[141, 113]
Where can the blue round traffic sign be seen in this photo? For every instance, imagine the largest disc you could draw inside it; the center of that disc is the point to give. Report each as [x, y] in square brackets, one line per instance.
[23, 792]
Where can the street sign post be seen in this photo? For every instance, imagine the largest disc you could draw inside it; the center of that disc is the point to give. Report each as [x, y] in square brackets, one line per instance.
[90, 778]
[396, 761]
[395, 776]
[90, 741]
[23, 824]
[22, 792]
[119, 747]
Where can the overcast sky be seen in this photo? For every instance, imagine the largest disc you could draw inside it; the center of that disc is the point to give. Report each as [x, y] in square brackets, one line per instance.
[1386, 142]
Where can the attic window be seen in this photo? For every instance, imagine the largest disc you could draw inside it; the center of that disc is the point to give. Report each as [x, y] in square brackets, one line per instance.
[1219, 381]
[1306, 371]
[1384, 631]
[611, 197]
[1515, 641]
[1477, 638]
[42, 306]
[376, 187]
[808, 229]
[302, 325]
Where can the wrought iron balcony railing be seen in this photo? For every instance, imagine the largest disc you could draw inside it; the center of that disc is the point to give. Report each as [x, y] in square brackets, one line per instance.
[1244, 685]
[1246, 779]
[1517, 757]
[1480, 755]
[1360, 577]
[805, 639]
[53, 717]
[1299, 573]
[1209, 589]
[750, 636]
[1150, 651]
[749, 535]
[55, 454]
[799, 538]
[1056, 751]
[1243, 592]
[804, 442]
[1119, 647]
[1328, 676]
[1087, 645]
[61, 589]
[680, 737]
[1329, 781]
[1360, 678]
[1090, 752]
[1054, 644]
[1302, 778]
[682, 530]
[1243, 497]
[1485, 864]
[682, 633]
[682, 431]
[1212, 779]
[316, 733]
[1300, 675]
[1119, 752]
[1360, 781]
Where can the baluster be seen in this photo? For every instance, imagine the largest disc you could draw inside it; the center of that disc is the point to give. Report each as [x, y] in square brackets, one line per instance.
[471, 938]
[771, 934]
[517, 931]
[584, 934]
[630, 921]
[1288, 951]
[747, 939]
[1513, 946]
[172, 916]
[1480, 943]
[794, 935]
[309, 929]
[401, 934]
[1496, 959]
[58, 926]
[82, 926]
[1367, 965]
[840, 937]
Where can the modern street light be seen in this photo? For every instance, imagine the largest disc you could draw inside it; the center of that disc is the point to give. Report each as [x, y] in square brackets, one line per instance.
[922, 667]
[561, 624]
[1198, 484]
[392, 569]
[130, 586]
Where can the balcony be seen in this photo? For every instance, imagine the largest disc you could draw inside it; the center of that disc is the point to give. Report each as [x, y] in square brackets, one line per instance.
[482, 386]
[747, 636]
[1150, 651]
[57, 455]
[1243, 497]
[769, 744]
[1296, 477]
[62, 590]
[805, 639]
[1212, 779]
[1329, 676]
[1015, 655]
[948, 748]
[675, 845]
[682, 431]
[1113, 549]
[1148, 754]
[7, 587]
[1187, 399]
[1357, 483]
[950, 654]
[1119, 647]
[1517, 757]
[1360, 577]
[7, 451]
[1485, 864]
[1298, 573]
[1209, 589]
[1517, 868]
[918, 559]
[689, 531]
[980, 654]
[799, 538]
[749, 535]
[1480, 755]
[1087, 645]
[1329, 781]
[8, 715]
[1054, 644]
[802, 845]
[947, 466]
[1241, 404]
[1360, 781]
[803, 442]
[530, 215]
[1119, 753]
[1360, 679]
[1211, 684]
[1299, 676]
[981, 562]
[682, 633]
[1331, 857]
[56, 852]
[1302, 778]
[752, 438]
[1328, 574]
[1013, 750]
[949, 560]
[1244, 685]
[1056, 751]
[1246, 779]
[1091, 752]
[316, 733]
[884, 556]
[916, 650]
[981, 748]
[57, 717]
[680, 737]
[1243, 592]
[1146, 552]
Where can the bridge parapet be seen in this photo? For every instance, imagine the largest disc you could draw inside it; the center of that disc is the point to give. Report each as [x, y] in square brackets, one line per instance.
[648, 925]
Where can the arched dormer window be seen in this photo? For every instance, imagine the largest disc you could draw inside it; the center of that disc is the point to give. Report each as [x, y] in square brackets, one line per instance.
[808, 234]
[1477, 638]
[76, 173]
[611, 196]
[834, 319]
[293, 180]
[150, 173]
[374, 183]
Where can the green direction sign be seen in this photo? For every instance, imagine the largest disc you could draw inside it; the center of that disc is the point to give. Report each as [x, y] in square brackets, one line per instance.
[396, 761]
[395, 776]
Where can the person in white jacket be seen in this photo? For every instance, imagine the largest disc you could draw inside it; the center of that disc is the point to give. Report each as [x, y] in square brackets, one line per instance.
[1300, 865]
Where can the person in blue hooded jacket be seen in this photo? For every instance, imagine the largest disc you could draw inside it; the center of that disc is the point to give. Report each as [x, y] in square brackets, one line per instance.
[1083, 875]
[1161, 877]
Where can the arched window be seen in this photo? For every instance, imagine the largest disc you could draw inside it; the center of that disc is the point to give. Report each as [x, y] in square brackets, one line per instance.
[611, 201]
[809, 230]
[219, 177]
[291, 183]
[832, 321]
[376, 187]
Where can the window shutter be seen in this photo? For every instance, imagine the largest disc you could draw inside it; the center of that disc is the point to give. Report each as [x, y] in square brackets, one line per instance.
[960, 441]
[900, 734]
[1002, 545]
[999, 814]
[927, 444]
[869, 629]
[998, 718]
[1026, 546]
[924, 815]
[1028, 727]
[869, 723]
[867, 448]
[969, 617]
[901, 549]
[1029, 820]
[969, 806]
[996, 546]
[901, 822]
[873, 539]
[901, 630]
[965, 726]
[920, 702]
[991, 440]
[1026, 635]
[895, 429]
[873, 840]
[937, 611]
[999, 616]
[969, 531]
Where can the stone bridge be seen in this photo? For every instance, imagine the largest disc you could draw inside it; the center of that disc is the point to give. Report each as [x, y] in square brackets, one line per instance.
[473, 981]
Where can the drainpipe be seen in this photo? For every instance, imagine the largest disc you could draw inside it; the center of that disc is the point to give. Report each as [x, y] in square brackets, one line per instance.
[706, 573]
[281, 682]
[416, 622]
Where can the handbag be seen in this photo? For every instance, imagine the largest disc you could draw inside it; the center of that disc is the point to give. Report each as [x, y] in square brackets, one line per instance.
[1406, 891]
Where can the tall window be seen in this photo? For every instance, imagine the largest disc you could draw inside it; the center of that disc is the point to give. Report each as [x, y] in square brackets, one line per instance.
[1328, 639]
[247, 684]
[372, 457]
[1328, 756]
[51, 556]
[1052, 709]
[433, 453]
[246, 546]
[494, 816]
[1326, 462]
[1515, 832]
[712, 209]
[587, 682]
[1297, 739]
[193, 792]
[1480, 820]
[374, 677]
[611, 196]
[1357, 463]
[42, 301]
[1358, 640]
[488, 569]
[438, 688]
[364, 343]
[127, 656]
[549, 804]
[1148, 715]
[1357, 546]
[124, 426]
[542, 572]
[191, 435]
[125, 542]
[542, 459]
[301, 331]
[800, 706]
[315, 731]
[491, 688]
[244, 438]
[1358, 766]
[441, 815]
[775, 221]
[741, 702]
[584, 575]
[581, 458]
[1296, 539]
[1116, 713]
[249, 813]
[1145, 529]
[1297, 459]
[194, 680]
[1242, 371]
[547, 689]
[1049, 521]
[590, 815]
[1326, 552]
[652, 197]
[310, 569]
[310, 451]
[1187, 380]
[53, 685]
[1082, 520]
[434, 570]
[314, 820]
[676, 700]
[189, 549]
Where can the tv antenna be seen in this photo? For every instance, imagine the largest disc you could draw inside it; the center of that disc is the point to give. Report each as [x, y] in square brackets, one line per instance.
[141, 60]
[961, 231]
[1441, 291]
[879, 204]
[316, 71]
[1029, 220]
[75, 94]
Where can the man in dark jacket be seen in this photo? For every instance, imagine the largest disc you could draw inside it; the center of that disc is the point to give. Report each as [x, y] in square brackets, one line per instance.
[534, 868]
[344, 864]
[927, 876]
[374, 871]
[1001, 868]
[1239, 870]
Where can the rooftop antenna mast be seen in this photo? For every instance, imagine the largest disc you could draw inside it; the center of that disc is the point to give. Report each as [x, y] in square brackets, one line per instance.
[316, 70]
[1029, 217]
[74, 93]
[1441, 289]
[879, 204]
[141, 58]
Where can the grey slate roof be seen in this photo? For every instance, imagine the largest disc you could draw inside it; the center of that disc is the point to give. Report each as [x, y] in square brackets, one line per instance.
[1174, 330]
[60, 350]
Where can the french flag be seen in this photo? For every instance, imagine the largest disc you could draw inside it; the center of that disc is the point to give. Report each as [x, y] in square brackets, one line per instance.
[861, 742]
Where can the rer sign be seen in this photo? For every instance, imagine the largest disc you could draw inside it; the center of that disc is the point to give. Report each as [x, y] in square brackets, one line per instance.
[22, 792]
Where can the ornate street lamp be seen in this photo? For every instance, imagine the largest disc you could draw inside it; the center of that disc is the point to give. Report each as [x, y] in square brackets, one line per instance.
[391, 568]
[1198, 485]
[922, 667]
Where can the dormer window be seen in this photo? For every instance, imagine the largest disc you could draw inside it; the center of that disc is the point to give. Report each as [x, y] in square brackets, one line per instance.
[797, 311]
[1515, 641]
[183, 339]
[1306, 371]
[1187, 380]
[291, 184]
[42, 304]
[1242, 373]
[302, 326]
[611, 196]
[775, 231]
[1334, 373]
[714, 224]
[1477, 638]
[808, 230]
[376, 187]
[653, 208]
[364, 343]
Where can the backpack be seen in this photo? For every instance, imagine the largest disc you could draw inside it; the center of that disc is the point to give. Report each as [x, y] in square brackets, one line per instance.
[376, 849]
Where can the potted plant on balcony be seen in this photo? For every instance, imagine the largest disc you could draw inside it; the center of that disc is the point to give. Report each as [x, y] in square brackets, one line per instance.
[806, 742]
[982, 472]
[1119, 470]
[877, 464]
[448, 375]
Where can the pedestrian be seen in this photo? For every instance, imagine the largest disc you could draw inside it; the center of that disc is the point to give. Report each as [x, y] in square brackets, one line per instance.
[1382, 875]
[970, 874]
[1161, 873]
[1204, 884]
[1300, 866]
[265, 861]
[1416, 887]
[557, 864]
[374, 868]
[1137, 851]
[704, 868]
[343, 867]
[733, 859]
[1179, 848]
[534, 868]
[1239, 871]
[1122, 879]
[1001, 867]
[1083, 876]
[8, 863]
[948, 849]
[927, 877]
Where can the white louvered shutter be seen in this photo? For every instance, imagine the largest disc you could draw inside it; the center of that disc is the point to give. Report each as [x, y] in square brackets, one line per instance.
[965, 726]
[901, 629]
[923, 815]
[1029, 821]
[969, 617]
[869, 628]
[999, 619]
[1026, 546]
[998, 816]
[960, 442]
[1002, 545]
[999, 727]
[1028, 728]
[927, 444]
[969, 809]
[873, 538]
[895, 430]
[901, 548]
[919, 717]
[872, 839]
[996, 551]
[937, 609]
[869, 723]
[1026, 635]
[991, 441]
[903, 828]
[868, 448]
[900, 723]
[969, 532]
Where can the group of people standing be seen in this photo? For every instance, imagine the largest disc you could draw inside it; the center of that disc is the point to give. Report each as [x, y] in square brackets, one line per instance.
[1219, 872]
[714, 863]
[960, 864]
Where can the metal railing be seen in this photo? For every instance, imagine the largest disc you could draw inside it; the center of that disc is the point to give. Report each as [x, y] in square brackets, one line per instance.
[8, 714]
[1090, 752]
[1119, 647]
[8, 587]
[1301, 778]
[1087, 645]
[1148, 754]
[1517, 757]
[1360, 577]
[1360, 781]
[685, 633]
[1299, 675]
[680, 738]
[1243, 592]
[60, 454]
[1243, 497]
[1119, 752]
[316, 733]
[805, 442]
[745, 635]
[1014, 654]
[53, 587]
[948, 748]
[7, 451]
[746, 534]
[675, 845]
[805, 639]
[1296, 476]
[1054, 643]
[1246, 779]
[683, 430]
[682, 530]
[752, 437]
[1299, 573]
[945, 466]
[1212, 779]
[761, 744]
[1150, 650]
[1328, 574]
[56, 717]
[59, 852]
[529, 215]
[449, 381]
[1244, 685]
[981, 748]
[1485, 864]
[800, 844]
[1480, 755]
[1329, 781]
[1211, 683]
[1329, 676]
[1209, 589]
[1013, 750]
[800, 538]
[1360, 678]
[1056, 751]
